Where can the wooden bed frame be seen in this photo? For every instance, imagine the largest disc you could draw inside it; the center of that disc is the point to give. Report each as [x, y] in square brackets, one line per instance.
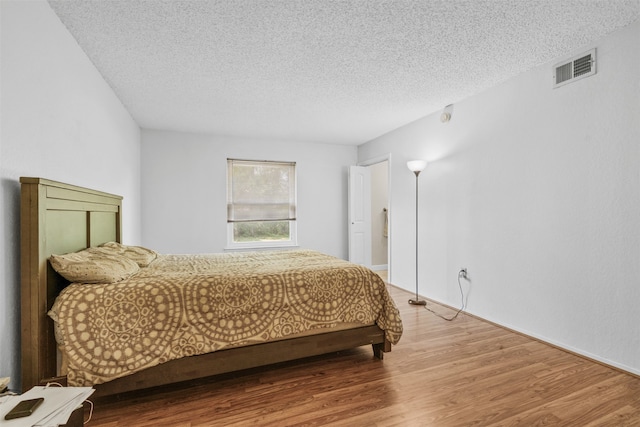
[58, 218]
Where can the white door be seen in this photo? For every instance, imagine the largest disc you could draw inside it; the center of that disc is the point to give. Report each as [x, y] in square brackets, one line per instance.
[360, 215]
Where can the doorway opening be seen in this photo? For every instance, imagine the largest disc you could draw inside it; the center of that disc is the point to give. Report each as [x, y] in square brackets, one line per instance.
[380, 216]
[370, 214]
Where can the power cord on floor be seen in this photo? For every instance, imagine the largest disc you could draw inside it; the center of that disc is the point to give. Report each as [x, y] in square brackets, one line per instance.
[461, 273]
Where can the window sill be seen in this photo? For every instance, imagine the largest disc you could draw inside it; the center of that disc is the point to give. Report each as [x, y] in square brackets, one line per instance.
[250, 247]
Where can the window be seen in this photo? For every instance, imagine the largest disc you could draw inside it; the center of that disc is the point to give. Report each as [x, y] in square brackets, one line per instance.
[261, 203]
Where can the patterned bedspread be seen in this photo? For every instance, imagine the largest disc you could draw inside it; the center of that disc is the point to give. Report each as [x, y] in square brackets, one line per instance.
[183, 305]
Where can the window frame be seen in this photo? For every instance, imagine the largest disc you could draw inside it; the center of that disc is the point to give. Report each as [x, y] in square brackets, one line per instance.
[293, 223]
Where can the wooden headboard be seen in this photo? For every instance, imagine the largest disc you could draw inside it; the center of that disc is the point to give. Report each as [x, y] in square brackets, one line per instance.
[55, 218]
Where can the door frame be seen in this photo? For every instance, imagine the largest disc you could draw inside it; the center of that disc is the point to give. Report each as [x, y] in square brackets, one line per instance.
[370, 162]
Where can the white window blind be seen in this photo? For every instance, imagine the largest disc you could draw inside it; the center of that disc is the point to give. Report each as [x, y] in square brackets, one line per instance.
[260, 191]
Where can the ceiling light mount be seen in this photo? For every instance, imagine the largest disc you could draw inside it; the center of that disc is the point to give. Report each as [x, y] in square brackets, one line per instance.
[446, 113]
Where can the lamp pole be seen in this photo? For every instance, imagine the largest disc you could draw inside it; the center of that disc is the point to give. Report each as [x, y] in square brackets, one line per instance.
[417, 166]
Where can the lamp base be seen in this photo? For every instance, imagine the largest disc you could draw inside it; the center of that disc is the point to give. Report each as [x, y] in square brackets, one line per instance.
[417, 302]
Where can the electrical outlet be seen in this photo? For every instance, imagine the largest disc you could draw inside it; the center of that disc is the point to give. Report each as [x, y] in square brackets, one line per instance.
[463, 272]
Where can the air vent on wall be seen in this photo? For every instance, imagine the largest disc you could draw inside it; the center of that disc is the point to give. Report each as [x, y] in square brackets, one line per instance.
[576, 68]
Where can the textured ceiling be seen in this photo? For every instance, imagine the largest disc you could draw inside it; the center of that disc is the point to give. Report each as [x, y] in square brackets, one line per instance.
[320, 70]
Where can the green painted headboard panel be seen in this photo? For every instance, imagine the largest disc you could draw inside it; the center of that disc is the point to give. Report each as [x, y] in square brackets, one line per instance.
[101, 227]
[55, 218]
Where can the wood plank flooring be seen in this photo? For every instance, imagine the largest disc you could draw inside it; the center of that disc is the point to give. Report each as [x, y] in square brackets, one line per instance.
[461, 373]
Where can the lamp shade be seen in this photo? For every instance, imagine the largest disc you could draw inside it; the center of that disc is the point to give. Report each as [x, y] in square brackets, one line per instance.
[416, 165]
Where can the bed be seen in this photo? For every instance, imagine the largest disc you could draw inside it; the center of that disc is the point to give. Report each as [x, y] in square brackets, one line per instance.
[58, 218]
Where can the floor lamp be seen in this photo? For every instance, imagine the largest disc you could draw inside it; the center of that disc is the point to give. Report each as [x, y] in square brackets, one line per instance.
[417, 166]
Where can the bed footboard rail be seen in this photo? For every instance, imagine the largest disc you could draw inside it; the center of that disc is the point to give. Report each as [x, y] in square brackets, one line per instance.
[253, 356]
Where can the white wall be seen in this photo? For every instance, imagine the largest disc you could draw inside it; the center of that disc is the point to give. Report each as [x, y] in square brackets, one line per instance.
[537, 192]
[184, 190]
[60, 120]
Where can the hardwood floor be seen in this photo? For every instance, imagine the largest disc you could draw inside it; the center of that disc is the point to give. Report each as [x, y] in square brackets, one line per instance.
[461, 373]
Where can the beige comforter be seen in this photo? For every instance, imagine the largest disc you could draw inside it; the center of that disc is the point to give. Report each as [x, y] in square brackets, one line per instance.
[183, 305]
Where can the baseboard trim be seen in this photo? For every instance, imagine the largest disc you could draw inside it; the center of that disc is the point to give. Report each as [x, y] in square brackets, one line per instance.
[535, 338]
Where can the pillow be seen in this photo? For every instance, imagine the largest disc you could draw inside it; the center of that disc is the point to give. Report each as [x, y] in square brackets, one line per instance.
[142, 256]
[93, 266]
